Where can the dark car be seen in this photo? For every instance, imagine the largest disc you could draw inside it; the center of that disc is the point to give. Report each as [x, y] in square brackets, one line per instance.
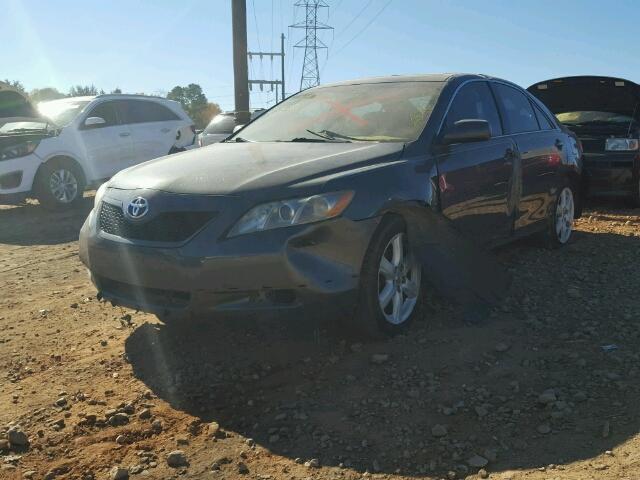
[315, 202]
[604, 113]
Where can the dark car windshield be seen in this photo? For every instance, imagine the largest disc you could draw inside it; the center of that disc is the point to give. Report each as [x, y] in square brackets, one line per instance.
[62, 112]
[589, 117]
[376, 112]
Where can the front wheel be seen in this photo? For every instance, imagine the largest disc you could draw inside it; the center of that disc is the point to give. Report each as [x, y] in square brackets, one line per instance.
[561, 218]
[390, 282]
[59, 184]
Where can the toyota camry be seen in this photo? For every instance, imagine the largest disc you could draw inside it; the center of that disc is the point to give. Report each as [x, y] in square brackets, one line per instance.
[308, 205]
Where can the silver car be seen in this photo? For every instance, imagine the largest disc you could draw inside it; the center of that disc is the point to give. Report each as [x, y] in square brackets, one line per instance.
[221, 126]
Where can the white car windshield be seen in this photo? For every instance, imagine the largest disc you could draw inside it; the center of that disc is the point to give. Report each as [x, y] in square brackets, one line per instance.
[62, 112]
[374, 112]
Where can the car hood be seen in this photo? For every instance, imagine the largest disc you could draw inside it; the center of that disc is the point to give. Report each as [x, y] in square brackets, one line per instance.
[605, 94]
[238, 168]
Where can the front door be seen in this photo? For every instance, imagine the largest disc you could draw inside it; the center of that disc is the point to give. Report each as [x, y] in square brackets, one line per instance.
[476, 179]
[108, 147]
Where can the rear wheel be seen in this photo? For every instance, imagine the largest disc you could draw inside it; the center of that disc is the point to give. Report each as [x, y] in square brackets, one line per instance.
[59, 184]
[390, 282]
[561, 218]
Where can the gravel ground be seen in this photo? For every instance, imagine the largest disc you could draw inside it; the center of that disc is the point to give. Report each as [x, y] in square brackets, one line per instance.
[545, 388]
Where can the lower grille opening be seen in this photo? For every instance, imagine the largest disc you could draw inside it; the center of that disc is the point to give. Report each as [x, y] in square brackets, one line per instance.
[164, 227]
[142, 296]
[283, 297]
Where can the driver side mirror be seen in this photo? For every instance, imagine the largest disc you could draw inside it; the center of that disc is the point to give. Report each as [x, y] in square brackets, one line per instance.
[93, 122]
[466, 131]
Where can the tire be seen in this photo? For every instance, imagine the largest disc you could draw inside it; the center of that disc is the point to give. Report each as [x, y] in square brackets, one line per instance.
[60, 184]
[561, 218]
[390, 276]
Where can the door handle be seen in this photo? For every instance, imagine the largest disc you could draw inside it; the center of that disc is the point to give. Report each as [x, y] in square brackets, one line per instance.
[125, 134]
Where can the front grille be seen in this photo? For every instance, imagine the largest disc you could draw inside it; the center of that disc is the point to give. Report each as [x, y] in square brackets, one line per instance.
[165, 227]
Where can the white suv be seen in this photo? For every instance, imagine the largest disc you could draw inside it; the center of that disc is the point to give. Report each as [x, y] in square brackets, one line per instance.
[88, 140]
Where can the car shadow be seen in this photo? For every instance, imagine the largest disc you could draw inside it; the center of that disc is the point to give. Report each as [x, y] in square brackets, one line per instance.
[31, 224]
[302, 391]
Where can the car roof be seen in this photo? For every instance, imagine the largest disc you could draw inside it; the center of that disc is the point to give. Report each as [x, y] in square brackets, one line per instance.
[430, 77]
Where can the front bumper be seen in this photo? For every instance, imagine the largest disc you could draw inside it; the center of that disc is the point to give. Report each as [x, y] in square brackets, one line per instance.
[16, 177]
[612, 173]
[277, 269]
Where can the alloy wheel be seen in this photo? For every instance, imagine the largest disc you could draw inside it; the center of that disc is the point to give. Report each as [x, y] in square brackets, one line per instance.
[564, 215]
[63, 185]
[398, 281]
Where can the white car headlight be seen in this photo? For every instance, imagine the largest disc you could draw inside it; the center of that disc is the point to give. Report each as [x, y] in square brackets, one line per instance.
[99, 195]
[621, 144]
[296, 211]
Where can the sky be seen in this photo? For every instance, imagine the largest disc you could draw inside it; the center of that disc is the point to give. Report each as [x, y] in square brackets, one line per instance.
[152, 45]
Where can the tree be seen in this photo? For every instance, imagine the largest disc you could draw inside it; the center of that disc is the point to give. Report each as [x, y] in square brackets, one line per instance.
[194, 102]
[82, 91]
[116, 90]
[15, 84]
[44, 94]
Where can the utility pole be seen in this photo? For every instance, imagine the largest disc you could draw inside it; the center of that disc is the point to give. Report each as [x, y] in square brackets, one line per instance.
[311, 43]
[240, 66]
[271, 83]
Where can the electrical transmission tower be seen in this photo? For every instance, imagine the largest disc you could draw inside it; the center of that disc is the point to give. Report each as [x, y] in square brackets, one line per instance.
[311, 43]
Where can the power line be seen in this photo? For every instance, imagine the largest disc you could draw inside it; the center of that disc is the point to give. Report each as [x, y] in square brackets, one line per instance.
[355, 17]
[366, 26]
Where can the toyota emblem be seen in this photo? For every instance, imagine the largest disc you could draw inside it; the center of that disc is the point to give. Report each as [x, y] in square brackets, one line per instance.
[137, 208]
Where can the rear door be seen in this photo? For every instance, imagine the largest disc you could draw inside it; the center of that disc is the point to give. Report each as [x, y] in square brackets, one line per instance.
[107, 147]
[475, 178]
[539, 143]
[153, 128]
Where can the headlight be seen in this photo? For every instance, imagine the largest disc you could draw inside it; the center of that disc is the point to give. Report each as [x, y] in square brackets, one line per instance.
[296, 211]
[621, 144]
[19, 150]
[99, 195]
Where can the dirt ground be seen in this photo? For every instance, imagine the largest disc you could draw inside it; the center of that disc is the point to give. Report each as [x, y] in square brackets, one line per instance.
[530, 391]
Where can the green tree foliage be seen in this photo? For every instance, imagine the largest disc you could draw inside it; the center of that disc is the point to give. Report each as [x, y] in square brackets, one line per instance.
[83, 90]
[15, 84]
[195, 103]
[44, 94]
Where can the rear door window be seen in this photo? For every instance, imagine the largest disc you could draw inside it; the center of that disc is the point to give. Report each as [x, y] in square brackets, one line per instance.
[106, 111]
[475, 101]
[145, 111]
[545, 123]
[517, 112]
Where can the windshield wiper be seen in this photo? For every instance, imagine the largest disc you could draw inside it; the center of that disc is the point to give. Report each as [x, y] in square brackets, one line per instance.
[238, 140]
[330, 136]
[307, 139]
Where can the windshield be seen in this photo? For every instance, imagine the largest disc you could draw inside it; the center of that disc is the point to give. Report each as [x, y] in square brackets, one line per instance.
[62, 112]
[17, 127]
[593, 117]
[375, 112]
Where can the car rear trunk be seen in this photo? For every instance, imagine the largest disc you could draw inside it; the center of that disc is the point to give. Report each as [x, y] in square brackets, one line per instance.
[573, 99]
